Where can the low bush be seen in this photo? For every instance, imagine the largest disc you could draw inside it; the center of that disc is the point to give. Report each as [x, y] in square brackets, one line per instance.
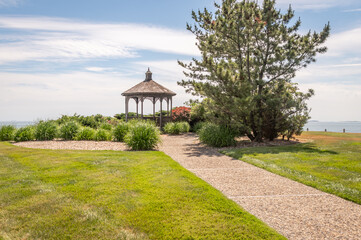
[172, 128]
[120, 131]
[69, 130]
[7, 133]
[142, 136]
[45, 130]
[216, 136]
[180, 114]
[24, 134]
[176, 127]
[103, 135]
[88, 121]
[86, 133]
[198, 126]
[106, 126]
[184, 126]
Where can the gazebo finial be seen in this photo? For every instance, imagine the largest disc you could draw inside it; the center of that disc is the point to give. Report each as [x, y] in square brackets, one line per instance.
[148, 75]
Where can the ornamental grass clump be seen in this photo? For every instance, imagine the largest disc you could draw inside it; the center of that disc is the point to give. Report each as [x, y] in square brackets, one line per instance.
[184, 126]
[69, 130]
[24, 134]
[7, 133]
[45, 130]
[120, 131]
[198, 126]
[216, 136]
[142, 136]
[103, 135]
[176, 128]
[172, 128]
[86, 133]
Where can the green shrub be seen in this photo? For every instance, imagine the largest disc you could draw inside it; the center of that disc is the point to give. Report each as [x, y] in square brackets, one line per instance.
[86, 133]
[184, 126]
[24, 134]
[88, 121]
[176, 127]
[45, 130]
[172, 128]
[198, 126]
[142, 136]
[216, 136]
[103, 135]
[120, 131]
[69, 130]
[7, 133]
[106, 126]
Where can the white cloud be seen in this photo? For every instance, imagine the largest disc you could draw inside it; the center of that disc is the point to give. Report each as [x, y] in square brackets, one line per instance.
[29, 96]
[332, 72]
[343, 43]
[315, 4]
[9, 3]
[335, 102]
[97, 69]
[353, 10]
[44, 39]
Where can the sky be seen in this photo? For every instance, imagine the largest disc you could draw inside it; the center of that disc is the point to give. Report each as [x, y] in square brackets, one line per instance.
[78, 56]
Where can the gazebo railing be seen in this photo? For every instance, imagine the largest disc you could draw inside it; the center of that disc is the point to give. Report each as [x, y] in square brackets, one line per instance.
[165, 119]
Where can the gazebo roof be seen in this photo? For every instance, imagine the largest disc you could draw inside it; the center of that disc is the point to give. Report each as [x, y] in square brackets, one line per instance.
[148, 88]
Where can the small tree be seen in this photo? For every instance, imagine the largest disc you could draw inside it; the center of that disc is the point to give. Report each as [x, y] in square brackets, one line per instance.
[250, 53]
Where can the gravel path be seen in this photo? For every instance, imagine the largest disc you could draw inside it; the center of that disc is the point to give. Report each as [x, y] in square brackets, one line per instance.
[293, 209]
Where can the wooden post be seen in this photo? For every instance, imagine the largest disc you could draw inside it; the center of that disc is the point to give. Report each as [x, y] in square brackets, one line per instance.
[141, 104]
[171, 102]
[168, 106]
[137, 101]
[126, 108]
[160, 116]
[154, 108]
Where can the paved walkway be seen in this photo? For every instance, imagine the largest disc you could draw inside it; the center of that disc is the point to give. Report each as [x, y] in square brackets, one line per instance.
[293, 209]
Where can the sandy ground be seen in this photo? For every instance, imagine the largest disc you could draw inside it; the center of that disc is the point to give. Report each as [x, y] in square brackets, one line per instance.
[293, 209]
[74, 145]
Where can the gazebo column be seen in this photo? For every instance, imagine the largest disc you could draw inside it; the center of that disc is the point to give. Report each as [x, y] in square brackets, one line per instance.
[154, 108]
[137, 101]
[126, 108]
[171, 103]
[141, 104]
[160, 116]
[168, 106]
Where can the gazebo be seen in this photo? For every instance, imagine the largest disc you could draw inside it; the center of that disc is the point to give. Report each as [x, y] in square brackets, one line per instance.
[149, 89]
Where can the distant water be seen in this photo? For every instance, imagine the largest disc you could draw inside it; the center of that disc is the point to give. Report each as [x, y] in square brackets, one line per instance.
[349, 126]
[17, 124]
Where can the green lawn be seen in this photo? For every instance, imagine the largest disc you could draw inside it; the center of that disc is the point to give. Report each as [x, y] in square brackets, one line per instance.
[330, 162]
[63, 194]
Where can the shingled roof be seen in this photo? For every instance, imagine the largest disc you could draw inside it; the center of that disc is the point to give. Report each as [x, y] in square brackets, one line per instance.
[148, 88]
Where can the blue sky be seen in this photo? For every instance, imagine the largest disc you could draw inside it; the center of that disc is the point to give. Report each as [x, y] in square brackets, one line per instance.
[66, 57]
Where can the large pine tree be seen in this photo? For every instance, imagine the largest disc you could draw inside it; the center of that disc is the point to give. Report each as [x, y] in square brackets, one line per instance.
[250, 53]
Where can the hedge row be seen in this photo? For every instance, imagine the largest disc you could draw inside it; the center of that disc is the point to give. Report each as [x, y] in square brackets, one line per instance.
[138, 135]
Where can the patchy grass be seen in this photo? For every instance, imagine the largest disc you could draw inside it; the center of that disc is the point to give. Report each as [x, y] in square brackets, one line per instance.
[330, 162]
[63, 194]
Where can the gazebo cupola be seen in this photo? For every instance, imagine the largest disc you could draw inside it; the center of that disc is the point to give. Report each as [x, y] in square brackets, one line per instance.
[148, 75]
[153, 91]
